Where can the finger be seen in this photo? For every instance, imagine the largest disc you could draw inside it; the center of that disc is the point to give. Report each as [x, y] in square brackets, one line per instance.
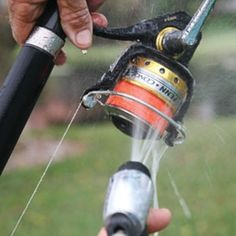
[23, 15]
[102, 232]
[158, 219]
[76, 22]
[99, 19]
[60, 58]
[93, 5]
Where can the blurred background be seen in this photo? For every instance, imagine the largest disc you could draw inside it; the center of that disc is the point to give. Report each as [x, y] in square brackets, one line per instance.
[201, 170]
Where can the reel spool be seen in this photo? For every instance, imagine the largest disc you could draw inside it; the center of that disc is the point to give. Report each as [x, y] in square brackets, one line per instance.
[145, 87]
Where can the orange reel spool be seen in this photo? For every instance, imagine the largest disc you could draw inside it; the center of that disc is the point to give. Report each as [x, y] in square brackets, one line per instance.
[146, 86]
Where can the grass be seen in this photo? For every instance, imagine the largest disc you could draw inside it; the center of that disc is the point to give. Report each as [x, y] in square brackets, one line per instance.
[70, 200]
[217, 45]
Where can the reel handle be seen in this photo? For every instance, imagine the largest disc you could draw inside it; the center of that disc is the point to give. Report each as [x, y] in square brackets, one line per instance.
[173, 33]
[190, 33]
[145, 31]
[151, 32]
[27, 77]
[176, 41]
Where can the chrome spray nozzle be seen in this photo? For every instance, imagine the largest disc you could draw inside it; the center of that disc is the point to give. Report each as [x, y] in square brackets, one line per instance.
[128, 200]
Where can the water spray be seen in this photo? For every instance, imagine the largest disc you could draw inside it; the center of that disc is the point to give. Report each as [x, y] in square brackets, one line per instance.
[147, 91]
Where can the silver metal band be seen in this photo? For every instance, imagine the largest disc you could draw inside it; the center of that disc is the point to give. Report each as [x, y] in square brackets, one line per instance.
[45, 40]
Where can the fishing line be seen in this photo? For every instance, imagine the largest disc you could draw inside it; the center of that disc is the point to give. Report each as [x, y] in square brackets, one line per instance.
[54, 154]
[182, 202]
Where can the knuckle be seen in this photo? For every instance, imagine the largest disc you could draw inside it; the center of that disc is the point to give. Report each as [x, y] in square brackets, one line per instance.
[24, 11]
[22, 16]
[18, 37]
[77, 17]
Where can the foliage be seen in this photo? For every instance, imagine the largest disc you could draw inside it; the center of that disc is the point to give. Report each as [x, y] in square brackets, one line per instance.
[70, 199]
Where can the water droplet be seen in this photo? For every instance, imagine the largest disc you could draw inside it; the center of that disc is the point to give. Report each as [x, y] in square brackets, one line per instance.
[134, 60]
[84, 52]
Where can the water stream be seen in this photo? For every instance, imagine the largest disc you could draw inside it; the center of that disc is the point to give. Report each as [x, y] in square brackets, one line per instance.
[150, 151]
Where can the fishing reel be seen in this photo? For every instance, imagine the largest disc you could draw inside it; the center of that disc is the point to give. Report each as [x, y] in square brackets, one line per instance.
[149, 88]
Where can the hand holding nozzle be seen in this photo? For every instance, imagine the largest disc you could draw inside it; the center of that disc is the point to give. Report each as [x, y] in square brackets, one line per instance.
[158, 219]
[128, 200]
[127, 203]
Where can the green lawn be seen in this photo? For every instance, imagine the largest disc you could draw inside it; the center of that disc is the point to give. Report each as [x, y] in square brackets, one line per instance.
[70, 200]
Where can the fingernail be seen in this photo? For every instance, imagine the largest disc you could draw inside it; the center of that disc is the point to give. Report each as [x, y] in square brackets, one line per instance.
[84, 38]
[166, 211]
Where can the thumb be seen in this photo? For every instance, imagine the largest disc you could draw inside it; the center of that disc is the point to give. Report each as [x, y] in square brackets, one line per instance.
[76, 22]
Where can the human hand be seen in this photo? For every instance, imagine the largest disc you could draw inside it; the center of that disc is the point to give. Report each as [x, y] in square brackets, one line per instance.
[158, 219]
[77, 18]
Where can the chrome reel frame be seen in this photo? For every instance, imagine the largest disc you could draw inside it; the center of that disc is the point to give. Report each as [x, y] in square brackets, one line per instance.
[95, 97]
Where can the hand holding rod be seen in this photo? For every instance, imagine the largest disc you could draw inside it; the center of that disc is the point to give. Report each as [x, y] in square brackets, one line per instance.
[27, 78]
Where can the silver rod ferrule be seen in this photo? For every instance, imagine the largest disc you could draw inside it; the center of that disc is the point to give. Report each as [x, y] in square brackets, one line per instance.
[190, 33]
[45, 40]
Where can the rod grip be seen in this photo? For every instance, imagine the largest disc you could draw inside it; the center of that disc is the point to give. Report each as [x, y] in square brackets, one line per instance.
[26, 79]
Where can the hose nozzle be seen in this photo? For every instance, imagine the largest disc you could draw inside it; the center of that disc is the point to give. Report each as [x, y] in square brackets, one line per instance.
[128, 200]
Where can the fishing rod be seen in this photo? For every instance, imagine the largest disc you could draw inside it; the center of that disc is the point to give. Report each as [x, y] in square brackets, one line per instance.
[148, 85]
[27, 77]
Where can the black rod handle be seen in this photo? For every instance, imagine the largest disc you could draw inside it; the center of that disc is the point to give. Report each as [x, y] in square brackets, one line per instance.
[27, 77]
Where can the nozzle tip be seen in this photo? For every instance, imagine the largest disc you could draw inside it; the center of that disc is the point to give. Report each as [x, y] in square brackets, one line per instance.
[120, 233]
